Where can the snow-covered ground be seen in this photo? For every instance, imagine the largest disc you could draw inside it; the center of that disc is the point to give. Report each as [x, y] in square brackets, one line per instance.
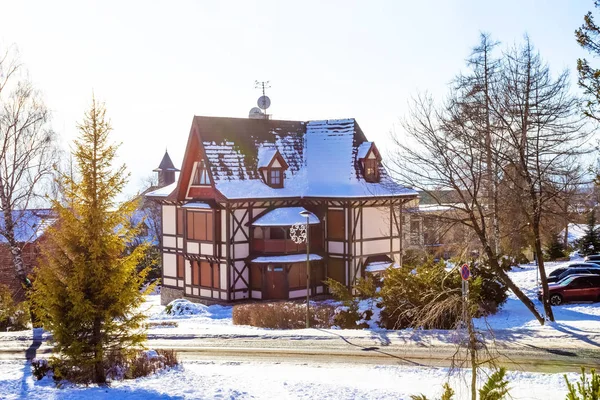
[240, 380]
[514, 323]
[578, 325]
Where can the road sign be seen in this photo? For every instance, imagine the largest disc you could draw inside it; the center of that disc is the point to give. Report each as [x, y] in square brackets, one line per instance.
[465, 272]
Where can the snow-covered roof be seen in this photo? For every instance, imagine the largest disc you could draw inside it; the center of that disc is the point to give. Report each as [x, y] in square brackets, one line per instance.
[576, 231]
[378, 266]
[266, 153]
[197, 204]
[321, 157]
[437, 207]
[286, 216]
[29, 224]
[363, 150]
[288, 258]
[163, 191]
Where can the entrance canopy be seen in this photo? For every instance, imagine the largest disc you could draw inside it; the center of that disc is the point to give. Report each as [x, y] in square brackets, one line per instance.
[378, 266]
[287, 259]
[285, 216]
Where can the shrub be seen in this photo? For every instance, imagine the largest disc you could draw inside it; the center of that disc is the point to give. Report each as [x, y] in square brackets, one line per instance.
[282, 315]
[357, 309]
[13, 316]
[586, 389]
[117, 366]
[495, 388]
[430, 297]
[555, 248]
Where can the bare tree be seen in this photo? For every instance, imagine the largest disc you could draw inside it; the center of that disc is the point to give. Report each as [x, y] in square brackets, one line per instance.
[443, 151]
[474, 91]
[27, 150]
[542, 136]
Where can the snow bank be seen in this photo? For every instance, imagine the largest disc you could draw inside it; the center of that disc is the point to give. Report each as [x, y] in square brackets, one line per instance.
[181, 307]
[281, 380]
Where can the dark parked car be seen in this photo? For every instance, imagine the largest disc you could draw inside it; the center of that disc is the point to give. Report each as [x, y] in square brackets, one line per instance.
[574, 288]
[592, 258]
[574, 268]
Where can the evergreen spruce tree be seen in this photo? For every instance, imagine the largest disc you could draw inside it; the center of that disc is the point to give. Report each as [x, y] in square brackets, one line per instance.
[590, 241]
[87, 292]
[555, 248]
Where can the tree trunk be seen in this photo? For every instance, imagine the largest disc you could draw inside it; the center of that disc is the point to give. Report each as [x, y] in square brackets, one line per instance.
[9, 233]
[540, 257]
[99, 374]
[516, 290]
[495, 266]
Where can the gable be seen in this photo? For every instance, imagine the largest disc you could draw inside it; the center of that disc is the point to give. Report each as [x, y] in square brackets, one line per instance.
[320, 159]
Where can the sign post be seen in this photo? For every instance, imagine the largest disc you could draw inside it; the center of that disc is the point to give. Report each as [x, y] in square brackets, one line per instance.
[465, 274]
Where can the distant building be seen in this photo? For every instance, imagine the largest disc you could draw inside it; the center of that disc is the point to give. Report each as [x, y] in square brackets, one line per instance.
[30, 228]
[166, 171]
[227, 223]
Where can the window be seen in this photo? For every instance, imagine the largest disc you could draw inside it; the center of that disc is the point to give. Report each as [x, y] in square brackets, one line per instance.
[371, 170]
[180, 214]
[206, 275]
[275, 177]
[200, 225]
[201, 176]
[180, 266]
[335, 225]
[414, 227]
[278, 233]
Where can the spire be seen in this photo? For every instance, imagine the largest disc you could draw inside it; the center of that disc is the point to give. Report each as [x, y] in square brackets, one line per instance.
[166, 171]
[166, 164]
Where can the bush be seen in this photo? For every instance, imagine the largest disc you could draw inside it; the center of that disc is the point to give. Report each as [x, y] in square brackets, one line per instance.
[181, 307]
[357, 311]
[586, 389]
[282, 315]
[555, 249]
[118, 366]
[12, 316]
[495, 388]
[430, 297]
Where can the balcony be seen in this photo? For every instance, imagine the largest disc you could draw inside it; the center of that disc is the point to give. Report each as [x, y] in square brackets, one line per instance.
[277, 246]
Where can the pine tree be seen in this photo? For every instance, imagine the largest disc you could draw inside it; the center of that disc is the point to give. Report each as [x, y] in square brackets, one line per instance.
[555, 248]
[590, 241]
[588, 37]
[87, 293]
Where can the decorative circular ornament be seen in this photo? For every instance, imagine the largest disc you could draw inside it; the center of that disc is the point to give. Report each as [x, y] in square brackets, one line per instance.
[298, 233]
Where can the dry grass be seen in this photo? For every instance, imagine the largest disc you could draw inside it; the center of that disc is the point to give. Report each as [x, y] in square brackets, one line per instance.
[118, 366]
[282, 315]
[162, 324]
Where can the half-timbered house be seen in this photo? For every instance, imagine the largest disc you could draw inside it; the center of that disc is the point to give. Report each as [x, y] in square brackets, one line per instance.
[244, 183]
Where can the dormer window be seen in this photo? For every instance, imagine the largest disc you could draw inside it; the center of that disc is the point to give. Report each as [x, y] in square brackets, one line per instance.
[371, 170]
[369, 159]
[276, 177]
[201, 175]
[271, 166]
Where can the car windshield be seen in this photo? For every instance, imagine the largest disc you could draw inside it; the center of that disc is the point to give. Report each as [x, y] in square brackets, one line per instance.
[567, 280]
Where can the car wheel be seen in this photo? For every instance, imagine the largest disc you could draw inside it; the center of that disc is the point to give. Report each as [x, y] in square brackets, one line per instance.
[556, 299]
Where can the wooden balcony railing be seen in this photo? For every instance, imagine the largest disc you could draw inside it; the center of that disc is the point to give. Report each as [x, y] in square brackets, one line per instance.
[282, 246]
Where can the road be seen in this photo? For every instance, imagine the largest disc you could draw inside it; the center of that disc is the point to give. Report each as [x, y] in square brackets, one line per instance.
[334, 349]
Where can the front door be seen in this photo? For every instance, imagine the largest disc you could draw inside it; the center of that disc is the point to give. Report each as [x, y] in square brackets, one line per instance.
[276, 287]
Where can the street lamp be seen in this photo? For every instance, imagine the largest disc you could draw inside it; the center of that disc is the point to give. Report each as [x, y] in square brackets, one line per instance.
[300, 234]
[307, 215]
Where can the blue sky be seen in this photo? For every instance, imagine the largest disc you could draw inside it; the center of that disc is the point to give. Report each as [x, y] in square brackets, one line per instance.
[158, 63]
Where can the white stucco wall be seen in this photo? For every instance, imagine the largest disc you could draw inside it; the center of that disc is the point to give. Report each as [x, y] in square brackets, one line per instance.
[169, 220]
[170, 265]
[376, 222]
